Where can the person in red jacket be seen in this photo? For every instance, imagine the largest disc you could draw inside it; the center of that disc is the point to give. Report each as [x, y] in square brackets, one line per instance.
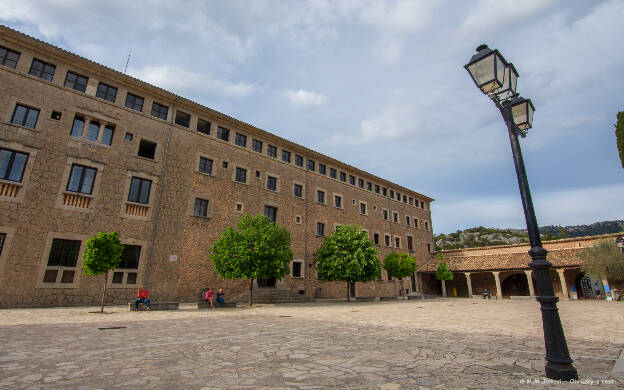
[210, 297]
[143, 298]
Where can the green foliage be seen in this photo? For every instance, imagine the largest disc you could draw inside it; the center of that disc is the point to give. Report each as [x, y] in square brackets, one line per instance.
[103, 253]
[348, 255]
[443, 273]
[257, 249]
[619, 135]
[399, 265]
[603, 260]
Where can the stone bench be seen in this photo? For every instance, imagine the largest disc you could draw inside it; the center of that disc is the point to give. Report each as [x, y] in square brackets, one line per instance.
[415, 297]
[525, 297]
[156, 306]
[365, 299]
[206, 305]
[387, 298]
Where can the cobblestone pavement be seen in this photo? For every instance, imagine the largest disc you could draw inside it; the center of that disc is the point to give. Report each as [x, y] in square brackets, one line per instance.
[425, 344]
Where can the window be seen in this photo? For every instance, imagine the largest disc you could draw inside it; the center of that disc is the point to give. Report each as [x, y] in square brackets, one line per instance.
[398, 196]
[12, 165]
[397, 242]
[377, 188]
[134, 102]
[8, 57]
[310, 165]
[139, 190]
[63, 257]
[81, 179]
[407, 220]
[271, 183]
[320, 229]
[404, 199]
[376, 238]
[416, 222]
[391, 194]
[203, 126]
[363, 208]
[320, 196]
[239, 207]
[322, 169]
[25, 116]
[296, 269]
[332, 173]
[93, 131]
[240, 140]
[395, 217]
[422, 205]
[201, 208]
[42, 70]
[384, 213]
[369, 186]
[343, 176]
[298, 160]
[338, 201]
[272, 151]
[129, 261]
[352, 180]
[241, 175]
[2, 239]
[106, 92]
[56, 115]
[298, 190]
[360, 183]
[256, 145]
[298, 219]
[285, 156]
[205, 165]
[76, 81]
[426, 225]
[224, 164]
[107, 135]
[429, 247]
[411, 200]
[257, 174]
[160, 110]
[223, 133]
[387, 240]
[128, 137]
[384, 191]
[271, 213]
[147, 149]
[410, 243]
[77, 127]
[183, 119]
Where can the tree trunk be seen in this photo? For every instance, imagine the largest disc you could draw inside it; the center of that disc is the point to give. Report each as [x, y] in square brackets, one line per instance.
[443, 288]
[394, 282]
[348, 291]
[402, 290]
[251, 292]
[104, 292]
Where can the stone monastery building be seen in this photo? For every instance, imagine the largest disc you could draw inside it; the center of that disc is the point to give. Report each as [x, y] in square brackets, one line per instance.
[84, 149]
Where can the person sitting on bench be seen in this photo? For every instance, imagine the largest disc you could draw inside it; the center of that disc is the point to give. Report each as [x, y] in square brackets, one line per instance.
[486, 294]
[209, 297]
[143, 298]
[220, 297]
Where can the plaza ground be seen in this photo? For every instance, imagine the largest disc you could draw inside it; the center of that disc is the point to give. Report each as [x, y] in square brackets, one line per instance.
[449, 343]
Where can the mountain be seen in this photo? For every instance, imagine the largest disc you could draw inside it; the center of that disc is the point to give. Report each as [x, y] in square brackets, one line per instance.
[481, 236]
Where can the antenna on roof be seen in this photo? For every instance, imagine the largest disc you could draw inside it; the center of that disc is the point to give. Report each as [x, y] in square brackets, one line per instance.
[127, 61]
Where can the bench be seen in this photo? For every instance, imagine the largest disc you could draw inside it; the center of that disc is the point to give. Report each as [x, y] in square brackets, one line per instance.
[365, 299]
[156, 306]
[387, 298]
[525, 297]
[415, 297]
[206, 305]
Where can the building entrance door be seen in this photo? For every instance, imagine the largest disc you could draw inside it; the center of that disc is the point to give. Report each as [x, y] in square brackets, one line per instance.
[583, 286]
[266, 283]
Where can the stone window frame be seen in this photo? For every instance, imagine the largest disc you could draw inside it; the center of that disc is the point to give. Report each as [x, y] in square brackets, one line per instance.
[75, 85]
[191, 204]
[104, 89]
[23, 185]
[152, 197]
[131, 101]
[278, 211]
[366, 213]
[286, 156]
[395, 217]
[316, 192]
[297, 219]
[300, 261]
[277, 182]
[316, 229]
[159, 111]
[240, 138]
[376, 235]
[407, 242]
[11, 111]
[272, 151]
[234, 168]
[140, 271]
[201, 123]
[46, 254]
[333, 173]
[88, 119]
[95, 192]
[157, 151]
[341, 201]
[415, 220]
[303, 189]
[399, 246]
[5, 59]
[385, 216]
[42, 71]
[242, 207]
[9, 232]
[198, 158]
[408, 221]
[387, 240]
[427, 225]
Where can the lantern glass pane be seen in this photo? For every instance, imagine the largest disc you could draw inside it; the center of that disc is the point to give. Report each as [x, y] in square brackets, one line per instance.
[482, 72]
[500, 69]
[519, 113]
[530, 121]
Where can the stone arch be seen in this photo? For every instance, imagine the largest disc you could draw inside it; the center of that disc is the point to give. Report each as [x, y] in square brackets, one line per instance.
[515, 284]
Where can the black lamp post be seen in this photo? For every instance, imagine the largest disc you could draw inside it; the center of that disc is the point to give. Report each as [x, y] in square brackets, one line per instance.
[497, 79]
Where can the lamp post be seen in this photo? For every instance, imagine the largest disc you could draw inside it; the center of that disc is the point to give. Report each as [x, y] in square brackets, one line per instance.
[495, 77]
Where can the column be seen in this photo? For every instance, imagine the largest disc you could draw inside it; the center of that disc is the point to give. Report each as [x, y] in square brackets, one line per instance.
[564, 286]
[469, 284]
[529, 275]
[499, 292]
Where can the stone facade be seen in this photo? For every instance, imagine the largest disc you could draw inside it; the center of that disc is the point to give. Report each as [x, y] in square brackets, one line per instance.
[39, 210]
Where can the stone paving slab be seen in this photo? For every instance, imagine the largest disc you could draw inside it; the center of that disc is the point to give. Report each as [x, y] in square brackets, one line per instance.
[441, 344]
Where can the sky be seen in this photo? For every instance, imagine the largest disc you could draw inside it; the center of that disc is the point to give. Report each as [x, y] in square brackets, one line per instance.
[381, 85]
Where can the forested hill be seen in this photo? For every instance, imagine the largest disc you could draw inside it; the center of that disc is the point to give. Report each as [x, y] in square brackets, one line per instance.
[481, 236]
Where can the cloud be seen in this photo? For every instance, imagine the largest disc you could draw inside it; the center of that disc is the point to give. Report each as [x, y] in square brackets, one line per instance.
[303, 98]
[183, 81]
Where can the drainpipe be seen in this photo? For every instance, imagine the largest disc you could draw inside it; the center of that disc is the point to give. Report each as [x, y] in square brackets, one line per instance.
[160, 189]
[306, 269]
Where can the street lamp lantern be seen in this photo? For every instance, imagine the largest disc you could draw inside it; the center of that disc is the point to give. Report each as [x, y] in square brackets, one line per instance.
[522, 111]
[487, 69]
[497, 78]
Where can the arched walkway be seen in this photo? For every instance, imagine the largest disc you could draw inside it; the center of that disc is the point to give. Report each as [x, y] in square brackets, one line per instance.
[515, 284]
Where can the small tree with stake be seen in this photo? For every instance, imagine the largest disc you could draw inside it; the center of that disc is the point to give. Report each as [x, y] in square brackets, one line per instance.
[442, 273]
[348, 255]
[103, 253]
[400, 265]
[603, 260]
[259, 248]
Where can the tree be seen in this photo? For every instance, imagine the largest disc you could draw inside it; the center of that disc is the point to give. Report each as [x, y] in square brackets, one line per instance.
[259, 248]
[348, 255]
[399, 265]
[603, 260]
[619, 135]
[443, 274]
[103, 253]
